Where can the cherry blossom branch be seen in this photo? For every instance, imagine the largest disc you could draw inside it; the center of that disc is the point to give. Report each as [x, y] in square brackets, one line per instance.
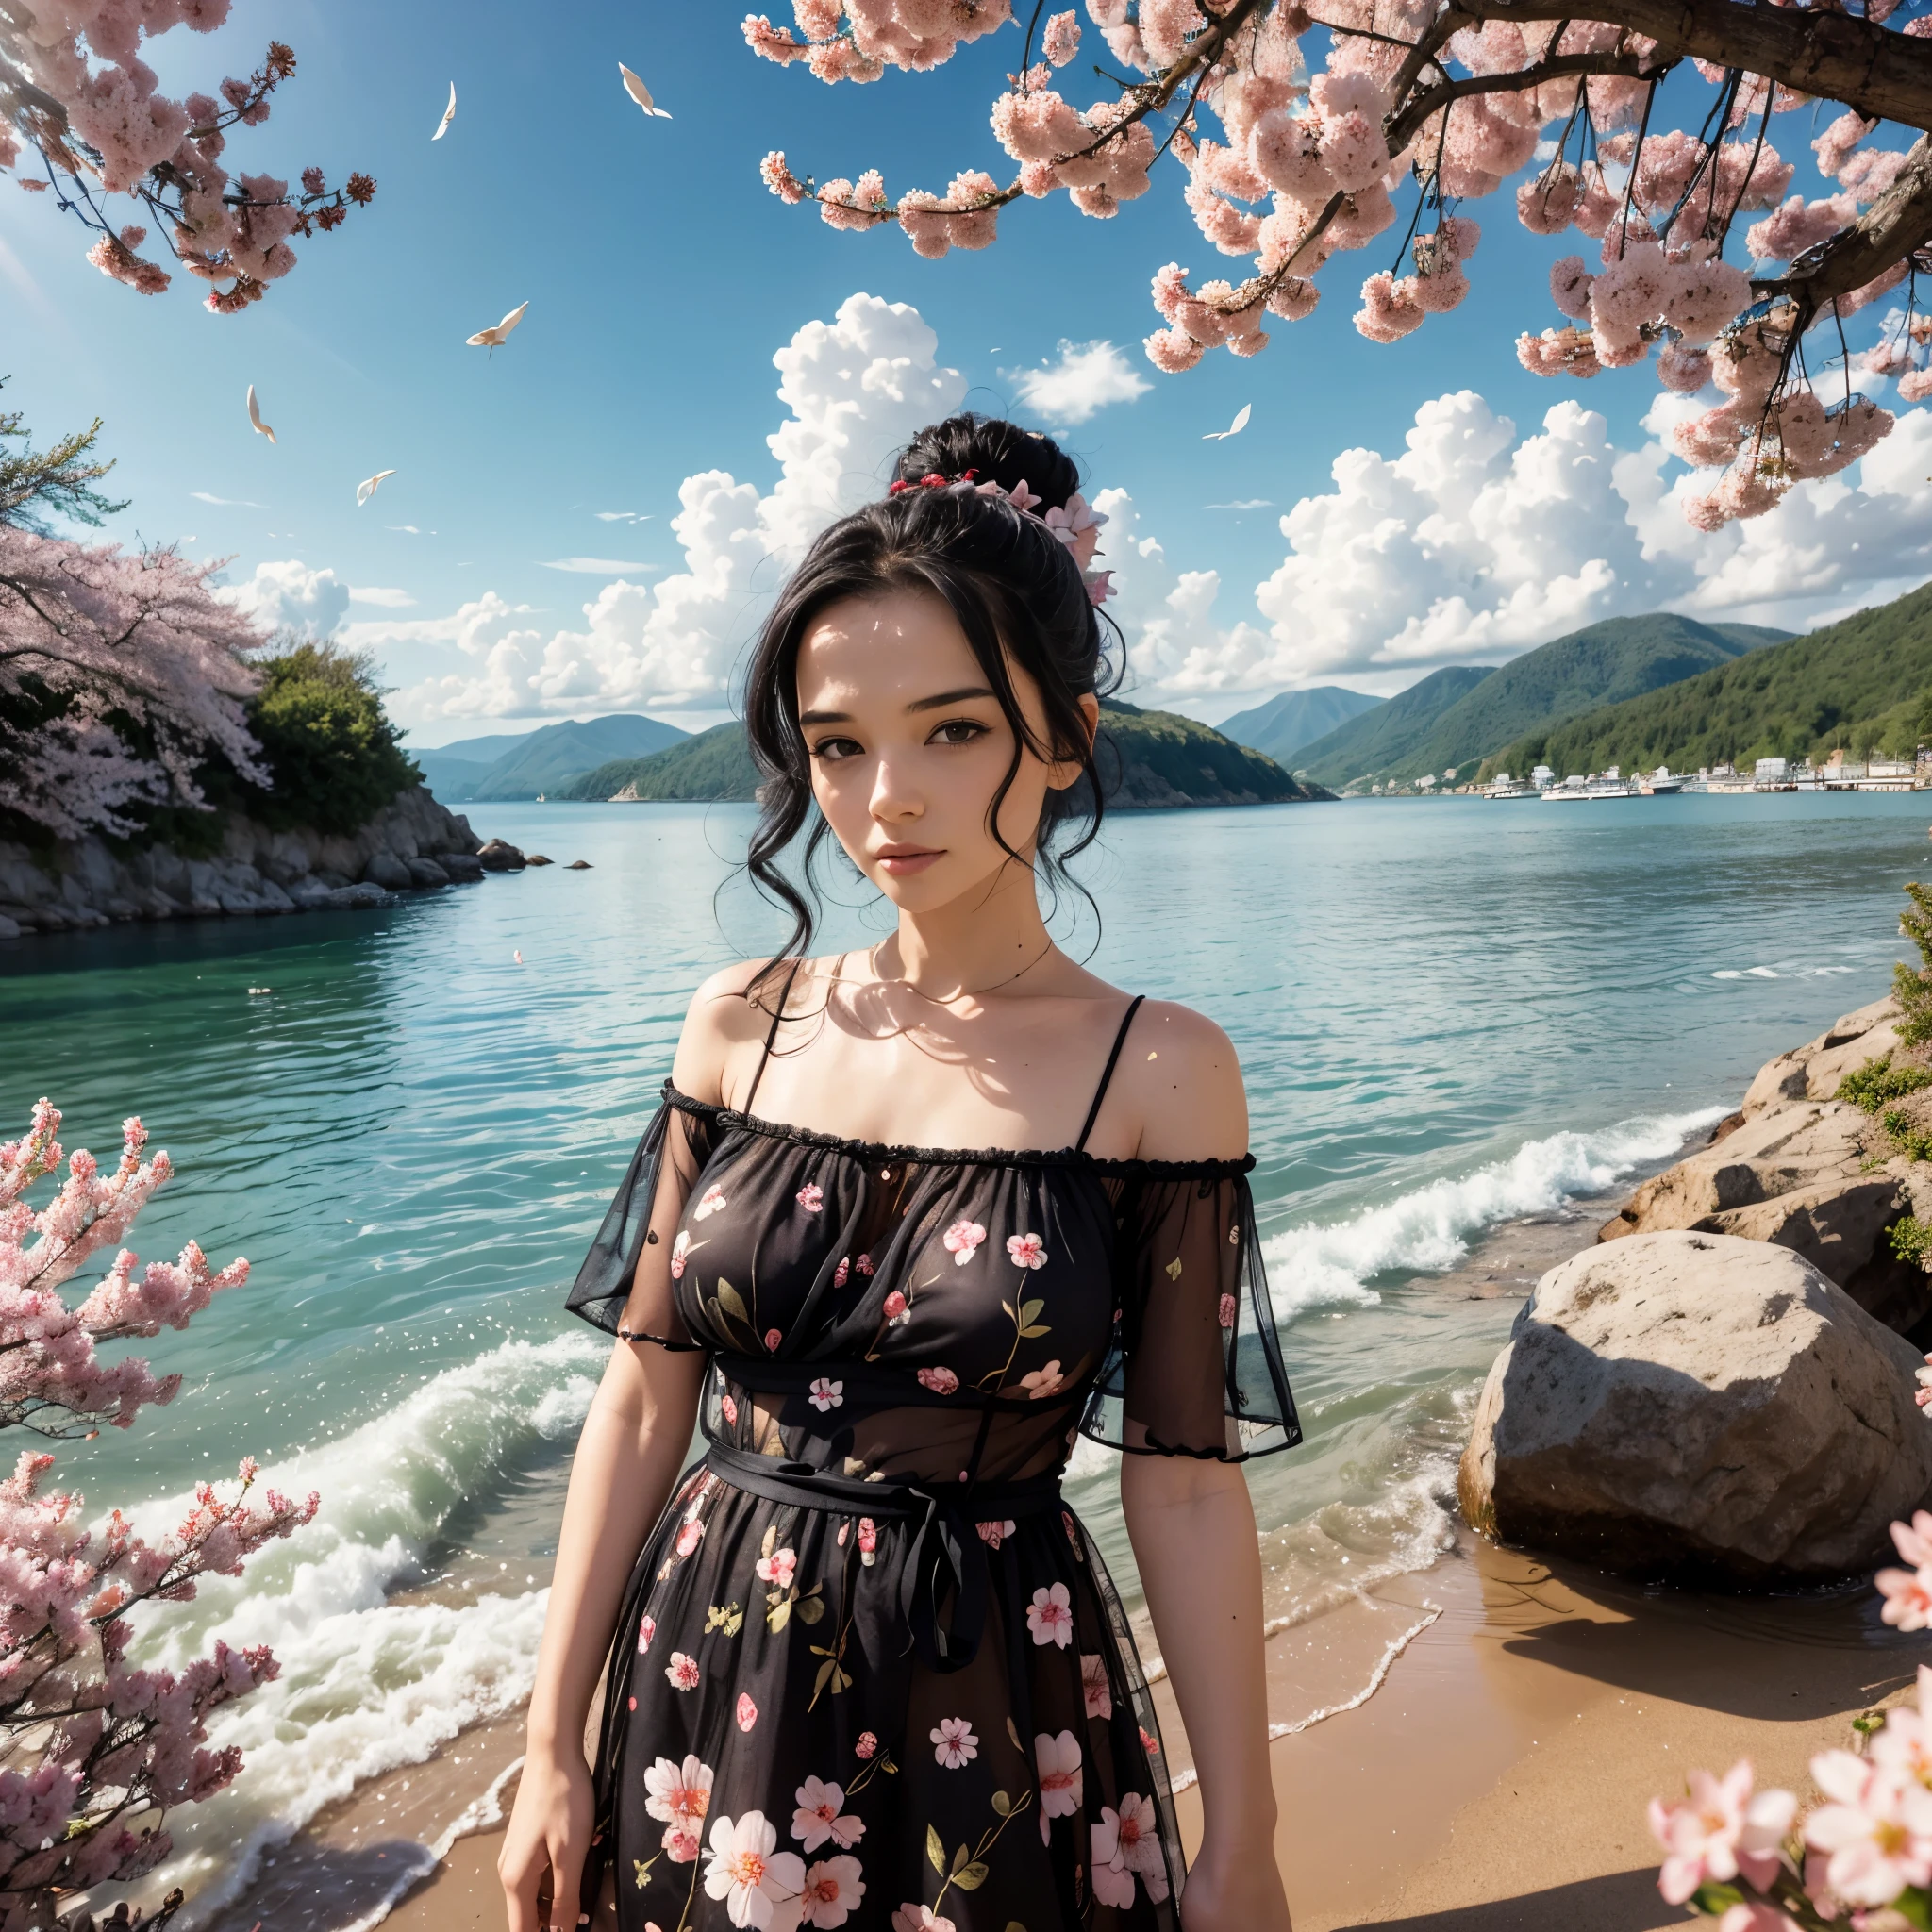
[1403, 128]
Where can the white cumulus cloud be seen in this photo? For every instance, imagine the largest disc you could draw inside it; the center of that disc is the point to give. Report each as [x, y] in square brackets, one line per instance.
[856, 388]
[288, 595]
[1086, 378]
[383, 595]
[596, 566]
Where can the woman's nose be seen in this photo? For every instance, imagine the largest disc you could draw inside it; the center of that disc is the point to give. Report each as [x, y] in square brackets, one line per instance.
[893, 795]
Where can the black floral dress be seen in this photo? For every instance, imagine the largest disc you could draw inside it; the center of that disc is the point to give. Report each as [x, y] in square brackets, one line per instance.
[870, 1669]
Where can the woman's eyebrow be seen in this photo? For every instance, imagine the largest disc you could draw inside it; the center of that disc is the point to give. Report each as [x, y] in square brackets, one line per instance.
[951, 697]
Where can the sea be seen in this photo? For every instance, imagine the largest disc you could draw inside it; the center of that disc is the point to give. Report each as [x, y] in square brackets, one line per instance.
[1467, 1028]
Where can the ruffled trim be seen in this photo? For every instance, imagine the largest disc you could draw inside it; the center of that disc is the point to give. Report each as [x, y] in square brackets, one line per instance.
[867, 1153]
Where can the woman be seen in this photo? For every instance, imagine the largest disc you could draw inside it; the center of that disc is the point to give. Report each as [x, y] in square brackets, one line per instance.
[869, 1669]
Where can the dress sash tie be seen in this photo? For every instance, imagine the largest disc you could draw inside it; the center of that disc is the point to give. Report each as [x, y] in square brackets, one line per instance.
[943, 1588]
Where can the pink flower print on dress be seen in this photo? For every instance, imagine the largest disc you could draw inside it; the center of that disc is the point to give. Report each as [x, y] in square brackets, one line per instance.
[689, 1537]
[911, 1918]
[822, 1815]
[1093, 1683]
[954, 1743]
[747, 1711]
[811, 1198]
[1058, 1761]
[1149, 1743]
[778, 1568]
[994, 1534]
[773, 1338]
[827, 1395]
[1138, 1842]
[941, 1381]
[1227, 1312]
[1050, 1616]
[961, 1238]
[867, 1743]
[647, 1628]
[678, 1793]
[898, 1312]
[1113, 1884]
[729, 1405]
[682, 1671]
[842, 1273]
[1025, 1251]
[1042, 1382]
[679, 1249]
[868, 1544]
[864, 1264]
[682, 1844]
[760, 1884]
[709, 1203]
[833, 1887]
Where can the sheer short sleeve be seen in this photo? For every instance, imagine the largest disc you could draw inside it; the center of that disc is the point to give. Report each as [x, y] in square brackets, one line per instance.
[624, 1283]
[1196, 1363]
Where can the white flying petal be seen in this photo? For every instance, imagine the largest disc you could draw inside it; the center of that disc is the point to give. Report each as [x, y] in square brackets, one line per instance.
[449, 114]
[641, 93]
[262, 428]
[493, 338]
[1234, 428]
[364, 490]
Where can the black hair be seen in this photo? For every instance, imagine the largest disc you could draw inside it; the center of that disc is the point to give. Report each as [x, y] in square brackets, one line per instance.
[1018, 596]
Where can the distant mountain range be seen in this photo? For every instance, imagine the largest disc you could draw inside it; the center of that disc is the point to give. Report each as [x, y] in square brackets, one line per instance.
[1864, 683]
[1456, 717]
[520, 764]
[1157, 760]
[1284, 724]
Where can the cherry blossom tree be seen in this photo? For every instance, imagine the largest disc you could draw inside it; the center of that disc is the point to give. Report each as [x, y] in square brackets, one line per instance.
[81, 117]
[94, 1749]
[1442, 102]
[120, 672]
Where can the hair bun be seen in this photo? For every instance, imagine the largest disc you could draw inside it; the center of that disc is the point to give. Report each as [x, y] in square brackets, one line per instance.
[997, 451]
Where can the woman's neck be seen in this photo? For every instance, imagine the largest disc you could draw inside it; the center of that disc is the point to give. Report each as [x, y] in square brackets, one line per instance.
[983, 939]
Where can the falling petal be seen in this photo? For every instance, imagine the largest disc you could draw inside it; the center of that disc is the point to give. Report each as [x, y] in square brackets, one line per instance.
[368, 488]
[262, 428]
[641, 93]
[1234, 428]
[449, 114]
[494, 338]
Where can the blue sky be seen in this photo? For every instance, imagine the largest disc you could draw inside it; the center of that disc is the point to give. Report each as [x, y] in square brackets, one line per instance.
[662, 278]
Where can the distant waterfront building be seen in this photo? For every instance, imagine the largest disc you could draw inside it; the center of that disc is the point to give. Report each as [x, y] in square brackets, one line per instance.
[1542, 776]
[1425, 781]
[1769, 771]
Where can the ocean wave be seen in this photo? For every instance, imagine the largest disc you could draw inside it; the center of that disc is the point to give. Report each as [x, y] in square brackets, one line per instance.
[374, 1675]
[1329, 1266]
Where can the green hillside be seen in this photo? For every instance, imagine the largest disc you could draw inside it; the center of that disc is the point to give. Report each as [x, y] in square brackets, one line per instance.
[1158, 759]
[1601, 664]
[521, 764]
[1284, 724]
[1863, 684]
[1390, 735]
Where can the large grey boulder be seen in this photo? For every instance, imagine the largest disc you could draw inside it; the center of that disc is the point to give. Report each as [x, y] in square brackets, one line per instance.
[385, 869]
[1813, 1071]
[1698, 1405]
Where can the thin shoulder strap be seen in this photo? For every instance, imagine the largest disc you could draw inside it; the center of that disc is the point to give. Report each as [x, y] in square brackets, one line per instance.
[771, 1036]
[1120, 1040]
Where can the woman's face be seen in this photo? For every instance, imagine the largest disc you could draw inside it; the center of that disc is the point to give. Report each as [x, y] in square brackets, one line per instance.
[909, 744]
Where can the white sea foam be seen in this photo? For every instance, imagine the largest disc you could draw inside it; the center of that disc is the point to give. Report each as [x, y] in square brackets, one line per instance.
[1329, 1266]
[369, 1680]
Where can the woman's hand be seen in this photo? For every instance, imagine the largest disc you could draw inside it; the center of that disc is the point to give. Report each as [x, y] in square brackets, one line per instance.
[1235, 1890]
[543, 1850]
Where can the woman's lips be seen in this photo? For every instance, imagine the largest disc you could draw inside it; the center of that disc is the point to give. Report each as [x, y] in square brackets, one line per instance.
[902, 862]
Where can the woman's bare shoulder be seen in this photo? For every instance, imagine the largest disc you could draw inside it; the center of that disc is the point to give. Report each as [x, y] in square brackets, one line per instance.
[1184, 1079]
[730, 1010]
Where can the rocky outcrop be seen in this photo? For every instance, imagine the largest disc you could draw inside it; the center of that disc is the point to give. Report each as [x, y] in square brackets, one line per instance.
[1801, 1169]
[1698, 1405]
[412, 845]
[499, 854]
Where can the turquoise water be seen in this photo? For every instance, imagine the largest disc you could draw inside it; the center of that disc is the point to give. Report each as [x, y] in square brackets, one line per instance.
[1453, 1016]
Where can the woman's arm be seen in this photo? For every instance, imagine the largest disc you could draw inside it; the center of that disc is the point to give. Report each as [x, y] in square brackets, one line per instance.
[633, 1444]
[1193, 1526]
[1200, 1561]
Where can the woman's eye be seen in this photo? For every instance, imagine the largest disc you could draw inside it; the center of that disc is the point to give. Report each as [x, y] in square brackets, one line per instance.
[958, 731]
[833, 749]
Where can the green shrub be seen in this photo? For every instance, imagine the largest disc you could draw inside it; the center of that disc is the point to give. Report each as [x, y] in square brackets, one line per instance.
[1911, 1241]
[1912, 986]
[1870, 1086]
[325, 739]
[1908, 1136]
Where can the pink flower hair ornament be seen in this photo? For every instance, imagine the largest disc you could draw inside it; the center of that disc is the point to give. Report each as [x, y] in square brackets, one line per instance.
[1076, 524]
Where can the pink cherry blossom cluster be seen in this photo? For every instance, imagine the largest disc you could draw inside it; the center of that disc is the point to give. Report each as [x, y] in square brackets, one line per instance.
[1288, 170]
[94, 1748]
[86, 106]
[111, 635]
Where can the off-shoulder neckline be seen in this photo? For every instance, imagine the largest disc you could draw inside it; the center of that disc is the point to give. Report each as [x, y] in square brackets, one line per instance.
[868, 1153]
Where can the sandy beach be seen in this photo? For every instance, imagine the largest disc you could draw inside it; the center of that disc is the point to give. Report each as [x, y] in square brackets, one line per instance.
[1498, 1779]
